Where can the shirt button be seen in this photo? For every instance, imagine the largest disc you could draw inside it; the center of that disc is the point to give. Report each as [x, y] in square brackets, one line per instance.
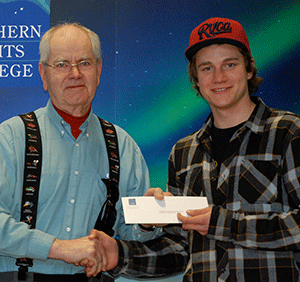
[76, 172]
[77, 145]
[72, 201]
[62, 132]
[68, 229]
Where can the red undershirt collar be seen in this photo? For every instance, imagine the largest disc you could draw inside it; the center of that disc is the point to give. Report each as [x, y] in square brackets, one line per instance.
[75, 122]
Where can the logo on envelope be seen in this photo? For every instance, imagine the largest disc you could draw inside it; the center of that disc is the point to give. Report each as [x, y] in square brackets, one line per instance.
[132, 202]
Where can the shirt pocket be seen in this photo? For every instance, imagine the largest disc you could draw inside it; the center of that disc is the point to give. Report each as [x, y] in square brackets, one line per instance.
[258, 181]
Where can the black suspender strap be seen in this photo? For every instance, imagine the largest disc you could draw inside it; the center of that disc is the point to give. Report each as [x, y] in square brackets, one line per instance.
[32, 175]
[107, 218]
[31, 181]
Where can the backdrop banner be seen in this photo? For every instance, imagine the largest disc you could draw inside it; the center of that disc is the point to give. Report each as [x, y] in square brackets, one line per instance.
[22, 25]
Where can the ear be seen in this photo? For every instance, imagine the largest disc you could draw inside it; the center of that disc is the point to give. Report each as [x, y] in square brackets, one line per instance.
[99, 70]
[250, 74]
[42, 72]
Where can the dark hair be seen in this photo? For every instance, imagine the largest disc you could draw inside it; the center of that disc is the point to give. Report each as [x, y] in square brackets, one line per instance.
[253, 82]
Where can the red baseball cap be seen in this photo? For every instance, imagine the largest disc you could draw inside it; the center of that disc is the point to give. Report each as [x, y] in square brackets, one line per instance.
[214, 31]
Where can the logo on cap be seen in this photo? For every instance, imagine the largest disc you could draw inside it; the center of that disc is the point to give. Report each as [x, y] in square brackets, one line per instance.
[217, 31]
[211, 30]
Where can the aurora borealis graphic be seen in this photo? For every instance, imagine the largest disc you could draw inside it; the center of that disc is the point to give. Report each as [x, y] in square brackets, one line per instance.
[144, 85]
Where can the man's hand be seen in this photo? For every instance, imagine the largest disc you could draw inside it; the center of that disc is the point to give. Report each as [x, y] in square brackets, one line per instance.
[197, 220]
[77, 250]
[110, 249]
[158, 194]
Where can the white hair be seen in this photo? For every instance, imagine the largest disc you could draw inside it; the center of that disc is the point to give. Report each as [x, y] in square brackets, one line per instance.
[45, 41]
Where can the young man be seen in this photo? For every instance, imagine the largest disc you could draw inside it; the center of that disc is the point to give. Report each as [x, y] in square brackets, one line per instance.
[74, 163]
[245, 159]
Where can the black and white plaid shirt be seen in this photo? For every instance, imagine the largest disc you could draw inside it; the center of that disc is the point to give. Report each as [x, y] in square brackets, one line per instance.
[254, 232]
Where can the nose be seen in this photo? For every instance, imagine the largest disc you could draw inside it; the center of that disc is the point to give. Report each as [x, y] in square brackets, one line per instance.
[74, 71]
[219, 75]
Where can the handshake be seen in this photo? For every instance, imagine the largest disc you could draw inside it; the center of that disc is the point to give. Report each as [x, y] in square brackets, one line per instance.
[99, 252]
[96, 253]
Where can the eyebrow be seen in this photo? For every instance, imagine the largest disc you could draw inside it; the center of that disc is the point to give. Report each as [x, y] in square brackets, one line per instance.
[64, 60]
[206, 63]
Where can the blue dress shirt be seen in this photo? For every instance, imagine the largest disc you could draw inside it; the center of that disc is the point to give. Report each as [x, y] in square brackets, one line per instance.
[71, 190]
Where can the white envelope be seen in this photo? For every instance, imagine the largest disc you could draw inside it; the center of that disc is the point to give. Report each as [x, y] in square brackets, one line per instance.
[151, 211]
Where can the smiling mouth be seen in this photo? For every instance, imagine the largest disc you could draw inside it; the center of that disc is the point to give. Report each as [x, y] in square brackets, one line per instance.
[220, 89]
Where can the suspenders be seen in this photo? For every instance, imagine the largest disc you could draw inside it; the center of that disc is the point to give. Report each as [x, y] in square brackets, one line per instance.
[107, 218]
[31, 181]
[32, 174]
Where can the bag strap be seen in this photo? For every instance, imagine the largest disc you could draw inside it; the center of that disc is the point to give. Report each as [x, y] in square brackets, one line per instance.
[31, 181]
[106, 221]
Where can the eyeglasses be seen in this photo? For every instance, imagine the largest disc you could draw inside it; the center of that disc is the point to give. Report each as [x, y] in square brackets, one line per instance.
[65, 66]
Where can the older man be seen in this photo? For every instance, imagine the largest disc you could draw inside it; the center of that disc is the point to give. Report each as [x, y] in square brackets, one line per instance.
[74, 164]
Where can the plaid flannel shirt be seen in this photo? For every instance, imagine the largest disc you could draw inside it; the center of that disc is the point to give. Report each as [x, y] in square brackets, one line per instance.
[254, 232]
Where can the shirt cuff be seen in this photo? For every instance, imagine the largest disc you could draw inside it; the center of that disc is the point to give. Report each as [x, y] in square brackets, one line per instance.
[121, 263]
[39, 245]
[143, 236]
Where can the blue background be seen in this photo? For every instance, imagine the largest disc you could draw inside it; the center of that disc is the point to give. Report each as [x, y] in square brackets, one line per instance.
[24, 13]
[144, 86]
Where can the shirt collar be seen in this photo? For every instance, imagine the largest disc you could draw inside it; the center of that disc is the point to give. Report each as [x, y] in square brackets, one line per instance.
[255, 123]
[58, 121]
[258, 118]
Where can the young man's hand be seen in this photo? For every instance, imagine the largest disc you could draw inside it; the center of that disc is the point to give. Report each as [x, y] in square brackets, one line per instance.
[197, 220]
